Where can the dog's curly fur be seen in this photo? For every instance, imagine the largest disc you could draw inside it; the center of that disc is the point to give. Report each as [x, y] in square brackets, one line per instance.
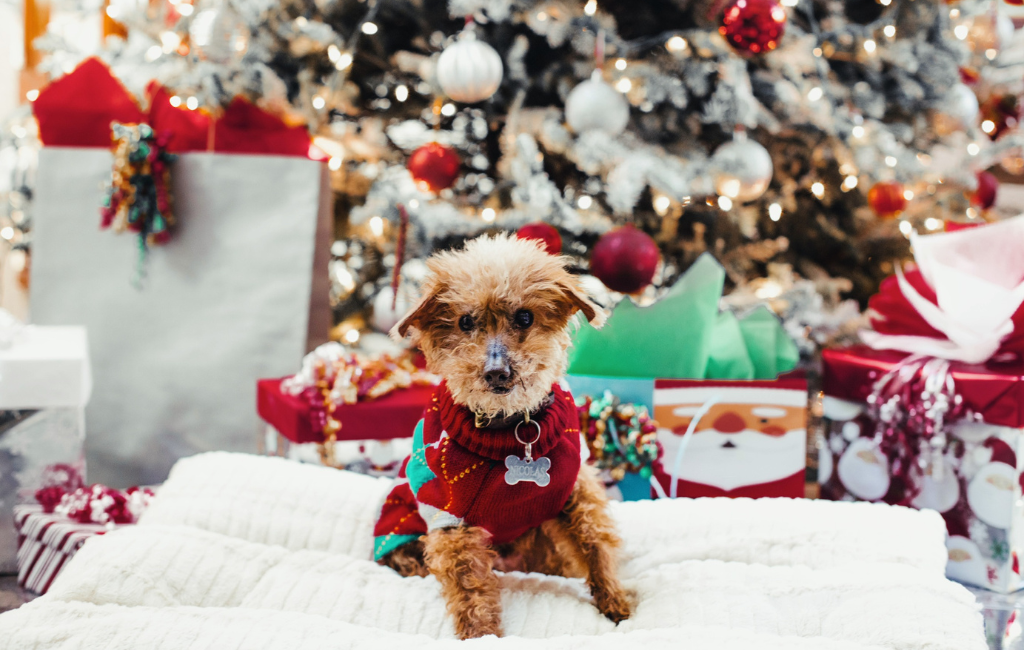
[490, 280]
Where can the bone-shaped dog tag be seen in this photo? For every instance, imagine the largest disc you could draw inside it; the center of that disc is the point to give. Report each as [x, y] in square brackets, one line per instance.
[527, 469]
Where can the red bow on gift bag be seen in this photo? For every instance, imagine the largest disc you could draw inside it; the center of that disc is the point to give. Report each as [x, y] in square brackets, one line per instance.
[964, 301]
[77, 110]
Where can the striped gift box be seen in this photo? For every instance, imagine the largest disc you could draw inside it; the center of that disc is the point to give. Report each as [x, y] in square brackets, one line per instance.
[45, 543]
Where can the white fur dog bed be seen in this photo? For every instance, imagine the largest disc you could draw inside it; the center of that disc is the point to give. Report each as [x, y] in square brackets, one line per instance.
[249, 552]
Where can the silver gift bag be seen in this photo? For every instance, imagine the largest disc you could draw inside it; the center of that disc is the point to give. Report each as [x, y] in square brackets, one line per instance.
[239, 293]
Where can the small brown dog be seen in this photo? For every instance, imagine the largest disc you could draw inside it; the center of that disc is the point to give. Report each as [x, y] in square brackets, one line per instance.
[495, 479]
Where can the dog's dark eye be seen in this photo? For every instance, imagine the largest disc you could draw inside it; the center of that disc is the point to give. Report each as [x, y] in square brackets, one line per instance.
[523, 318]
[466, 323]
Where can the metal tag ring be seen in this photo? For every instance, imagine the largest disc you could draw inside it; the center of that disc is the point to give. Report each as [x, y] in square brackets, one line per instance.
[523, 442]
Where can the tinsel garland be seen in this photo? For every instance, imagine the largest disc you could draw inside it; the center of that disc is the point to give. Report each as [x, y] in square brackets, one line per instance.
[138, 198]
[622, 437]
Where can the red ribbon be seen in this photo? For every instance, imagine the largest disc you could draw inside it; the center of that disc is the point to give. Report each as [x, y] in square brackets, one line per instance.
[77, 109]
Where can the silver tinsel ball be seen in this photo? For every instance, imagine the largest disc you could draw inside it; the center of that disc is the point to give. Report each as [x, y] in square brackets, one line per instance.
[469, 70]
[743, 169]
[594, 105]
[217, 33]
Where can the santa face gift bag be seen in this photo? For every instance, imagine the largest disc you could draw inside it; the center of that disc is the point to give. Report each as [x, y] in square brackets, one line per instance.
[232, 295]
[731, 438]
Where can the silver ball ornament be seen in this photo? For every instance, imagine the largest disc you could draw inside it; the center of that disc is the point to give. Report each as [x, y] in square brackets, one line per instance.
[469, 70]
[593, 105]
[743, 169]
[217, 33]
[962, 105]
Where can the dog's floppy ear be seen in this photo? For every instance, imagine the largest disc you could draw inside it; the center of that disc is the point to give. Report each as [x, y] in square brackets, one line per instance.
[424, 310]
[580, 301]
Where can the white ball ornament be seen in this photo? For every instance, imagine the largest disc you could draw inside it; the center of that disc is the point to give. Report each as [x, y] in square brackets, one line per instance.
[384, 316]
[963, 105]
[217, 33]
[593, 105]
[469, 70]
[864, 470]
[743, 169]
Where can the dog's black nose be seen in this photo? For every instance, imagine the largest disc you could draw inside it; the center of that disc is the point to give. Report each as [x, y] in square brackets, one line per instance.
[497, 370]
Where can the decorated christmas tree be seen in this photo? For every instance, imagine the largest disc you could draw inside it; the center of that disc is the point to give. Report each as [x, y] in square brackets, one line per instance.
[800, 143]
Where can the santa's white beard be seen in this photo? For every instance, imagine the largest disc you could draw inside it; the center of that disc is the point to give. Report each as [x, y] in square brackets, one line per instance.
[752, 459]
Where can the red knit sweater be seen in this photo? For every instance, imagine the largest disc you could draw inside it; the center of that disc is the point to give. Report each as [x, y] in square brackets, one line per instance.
[456, 474]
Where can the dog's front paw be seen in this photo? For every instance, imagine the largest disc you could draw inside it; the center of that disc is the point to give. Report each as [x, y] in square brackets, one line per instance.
[614, 604]
[469, 628]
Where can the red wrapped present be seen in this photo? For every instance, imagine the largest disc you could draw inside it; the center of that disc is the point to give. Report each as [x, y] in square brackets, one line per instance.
[931, 413]
[356, 412]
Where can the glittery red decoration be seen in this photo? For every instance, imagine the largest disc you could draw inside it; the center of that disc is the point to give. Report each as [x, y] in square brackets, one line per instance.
[543, 232]
[625, 259]
[886, 199]
[434, 166]
[753, 26]
[985, 196]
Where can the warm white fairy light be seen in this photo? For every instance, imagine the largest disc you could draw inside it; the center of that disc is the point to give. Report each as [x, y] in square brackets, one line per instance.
[369, 28]
[815, 94]
[153, 53]
[401, 92]
[991, 54]
[661, 204]
[890, 161]
[488, 215]
[620, 64]
[448, 110]
[973, 149]
[906, 228]
[817, 51]
[169, 41]
[790, 3]
[954, 13]
[774, 211]
[869, 45]
[175, 101]
[676, 44]
[960, 31]
[590, 8]
[32, 95]
[7, 233]
[889, 30]
[334, 164]
[344, 61]
[414, 204]
[319, 103]
[858, 131]
[192, 103]
[849, 183]
[623, 85]
[725, 203]
[376, 226]
[908, 194]
[818, 189]
[352, 336]
[988, 126]
[584, 202]
[972, 213]
[931, 223]
[185, 9]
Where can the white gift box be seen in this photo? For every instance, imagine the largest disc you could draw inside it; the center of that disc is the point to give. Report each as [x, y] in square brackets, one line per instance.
[45, 383]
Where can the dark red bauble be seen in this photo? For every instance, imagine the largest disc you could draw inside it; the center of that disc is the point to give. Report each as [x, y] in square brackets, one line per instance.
[753, 26]
[887, 199]
[985, 196]
[624, 259]
[543, 232]
[1015, 3]
[434, 166]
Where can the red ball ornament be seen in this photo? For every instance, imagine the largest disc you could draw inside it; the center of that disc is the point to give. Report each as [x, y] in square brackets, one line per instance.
[543, 232]
[985, 196]
[886, 199]
[434, 166]
[753, 26]
[624, 259]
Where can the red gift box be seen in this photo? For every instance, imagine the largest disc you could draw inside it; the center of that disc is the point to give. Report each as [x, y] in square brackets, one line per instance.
[393, 415]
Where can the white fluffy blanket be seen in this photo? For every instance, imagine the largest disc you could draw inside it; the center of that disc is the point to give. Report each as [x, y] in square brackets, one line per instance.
[259, 553]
